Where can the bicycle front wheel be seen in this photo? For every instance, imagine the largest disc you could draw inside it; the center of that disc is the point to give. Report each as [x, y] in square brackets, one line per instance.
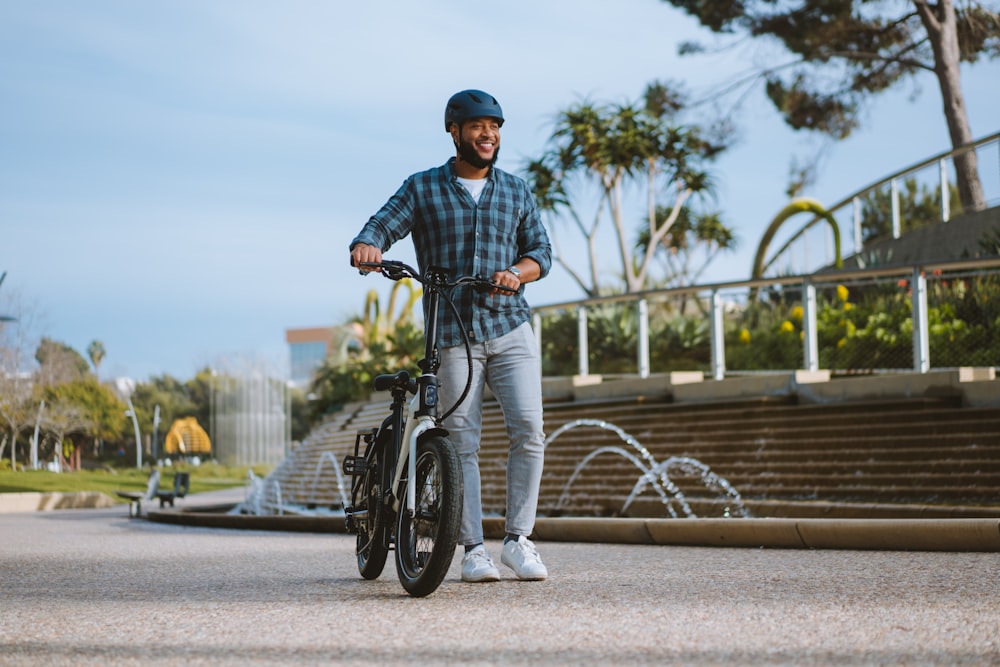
[425, 541]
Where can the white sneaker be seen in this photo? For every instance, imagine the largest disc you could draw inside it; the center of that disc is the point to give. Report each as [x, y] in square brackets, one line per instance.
[477, 566]
[520, 555]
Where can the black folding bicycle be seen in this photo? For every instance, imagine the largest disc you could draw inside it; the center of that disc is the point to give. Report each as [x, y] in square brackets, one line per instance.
[421, 519]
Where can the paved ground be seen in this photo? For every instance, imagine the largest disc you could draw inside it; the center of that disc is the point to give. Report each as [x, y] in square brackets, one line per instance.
[92, 587]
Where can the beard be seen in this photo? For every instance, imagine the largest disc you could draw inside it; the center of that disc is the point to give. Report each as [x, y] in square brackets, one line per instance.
[467, 151]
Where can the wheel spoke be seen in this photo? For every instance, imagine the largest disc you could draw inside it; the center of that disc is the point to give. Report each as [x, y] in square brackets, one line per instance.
[430, 533]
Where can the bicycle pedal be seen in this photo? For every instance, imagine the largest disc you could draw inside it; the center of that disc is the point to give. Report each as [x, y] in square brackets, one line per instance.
[354, 465]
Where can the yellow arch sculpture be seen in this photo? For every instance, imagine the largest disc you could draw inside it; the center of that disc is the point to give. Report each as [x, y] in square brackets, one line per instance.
[186, 436]
[802, 205]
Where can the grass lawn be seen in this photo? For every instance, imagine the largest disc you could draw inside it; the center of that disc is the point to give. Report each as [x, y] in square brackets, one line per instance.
[206, 477]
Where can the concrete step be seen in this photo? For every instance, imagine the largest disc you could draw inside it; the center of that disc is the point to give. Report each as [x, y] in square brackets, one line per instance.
[902, 453]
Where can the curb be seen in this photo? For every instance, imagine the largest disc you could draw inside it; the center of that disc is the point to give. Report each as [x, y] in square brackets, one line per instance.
[36, 501]
[854, 534]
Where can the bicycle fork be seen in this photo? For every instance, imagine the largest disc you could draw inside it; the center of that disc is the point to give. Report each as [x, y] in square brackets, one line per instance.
[411, 436]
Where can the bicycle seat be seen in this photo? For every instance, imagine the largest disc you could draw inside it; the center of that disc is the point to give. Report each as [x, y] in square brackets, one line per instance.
[390, 380]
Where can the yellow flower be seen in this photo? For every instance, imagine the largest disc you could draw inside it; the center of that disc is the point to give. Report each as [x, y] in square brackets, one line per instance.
[848, 306]
[797, 313]
[744, 336]
[842, 342]
[787, 326]
[842, 293]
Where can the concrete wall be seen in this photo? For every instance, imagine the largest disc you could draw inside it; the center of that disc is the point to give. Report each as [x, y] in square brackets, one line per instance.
[978, 387]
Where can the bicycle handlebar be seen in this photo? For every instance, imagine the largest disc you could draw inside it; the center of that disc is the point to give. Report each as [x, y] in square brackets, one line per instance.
[396, 270]
[437, 284]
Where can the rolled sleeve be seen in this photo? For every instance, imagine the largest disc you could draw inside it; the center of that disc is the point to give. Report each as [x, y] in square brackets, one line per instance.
[533, 241]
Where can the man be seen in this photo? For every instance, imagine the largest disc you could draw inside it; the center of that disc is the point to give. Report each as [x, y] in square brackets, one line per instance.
[474, 219]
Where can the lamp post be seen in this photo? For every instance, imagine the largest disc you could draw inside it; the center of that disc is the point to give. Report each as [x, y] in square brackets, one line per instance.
[138, 438]
[211, 413]
[156, 433]
[34, 439]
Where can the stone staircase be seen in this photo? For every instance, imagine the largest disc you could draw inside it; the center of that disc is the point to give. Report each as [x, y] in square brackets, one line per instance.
[888, 458]
[903, 457]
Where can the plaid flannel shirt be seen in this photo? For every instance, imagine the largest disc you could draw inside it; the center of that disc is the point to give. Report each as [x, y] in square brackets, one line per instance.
[451, 230]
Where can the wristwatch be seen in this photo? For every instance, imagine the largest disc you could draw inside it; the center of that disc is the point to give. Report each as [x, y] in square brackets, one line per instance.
[516, 271]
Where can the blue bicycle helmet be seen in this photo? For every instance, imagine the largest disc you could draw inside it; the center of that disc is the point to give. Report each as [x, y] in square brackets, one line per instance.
[471, 104]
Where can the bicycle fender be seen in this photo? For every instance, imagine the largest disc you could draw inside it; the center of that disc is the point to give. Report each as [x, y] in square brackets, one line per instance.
[437, 430]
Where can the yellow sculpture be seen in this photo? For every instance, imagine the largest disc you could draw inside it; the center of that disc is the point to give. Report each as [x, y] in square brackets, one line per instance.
[187, 437]
[801, 205]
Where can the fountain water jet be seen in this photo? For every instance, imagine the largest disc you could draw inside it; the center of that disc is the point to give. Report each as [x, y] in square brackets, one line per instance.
[341, 486]
[653, 473]
[708, 478]
[638, 464]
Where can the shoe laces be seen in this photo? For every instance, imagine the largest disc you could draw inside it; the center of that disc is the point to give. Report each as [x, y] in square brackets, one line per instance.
[480, 556]
[528, 551]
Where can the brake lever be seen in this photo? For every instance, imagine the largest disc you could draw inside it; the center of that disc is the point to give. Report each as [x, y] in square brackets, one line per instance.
[373, 265]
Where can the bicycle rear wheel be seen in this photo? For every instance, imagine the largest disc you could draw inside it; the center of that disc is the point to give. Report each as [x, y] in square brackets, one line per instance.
[425, 542]
[372, 522]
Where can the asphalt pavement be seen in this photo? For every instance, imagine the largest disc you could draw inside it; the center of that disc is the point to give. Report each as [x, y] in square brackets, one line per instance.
[93, 587]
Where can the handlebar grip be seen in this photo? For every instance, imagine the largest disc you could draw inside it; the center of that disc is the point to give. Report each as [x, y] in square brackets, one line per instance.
[484, 285]
[504, 288]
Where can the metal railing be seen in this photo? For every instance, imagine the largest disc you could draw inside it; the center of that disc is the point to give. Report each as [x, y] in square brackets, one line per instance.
[938, 168]
[793, 306]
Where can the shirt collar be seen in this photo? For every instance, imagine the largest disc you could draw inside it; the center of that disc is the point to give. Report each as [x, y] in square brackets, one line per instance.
[454, 176]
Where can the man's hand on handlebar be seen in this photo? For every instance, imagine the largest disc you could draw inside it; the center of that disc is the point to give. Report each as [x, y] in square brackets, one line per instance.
[368, 259]
[363, 254]
[506, 283]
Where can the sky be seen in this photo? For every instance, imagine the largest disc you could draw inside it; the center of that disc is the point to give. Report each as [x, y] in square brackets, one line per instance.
[180, 179]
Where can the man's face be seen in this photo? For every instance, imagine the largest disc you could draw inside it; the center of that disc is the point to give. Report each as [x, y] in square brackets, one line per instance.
[479, 142]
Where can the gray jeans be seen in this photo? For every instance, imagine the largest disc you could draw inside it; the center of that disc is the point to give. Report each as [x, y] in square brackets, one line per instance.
[511, 367]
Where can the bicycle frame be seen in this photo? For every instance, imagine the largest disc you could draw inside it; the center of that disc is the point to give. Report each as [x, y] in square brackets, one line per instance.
[410, 450]
[424, 404]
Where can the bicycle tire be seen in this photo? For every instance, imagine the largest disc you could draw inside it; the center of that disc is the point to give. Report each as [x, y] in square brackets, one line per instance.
[425, 542]
[372, 546]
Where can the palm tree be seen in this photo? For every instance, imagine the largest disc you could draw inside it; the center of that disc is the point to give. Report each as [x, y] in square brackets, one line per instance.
[613, 147]
[688, 231]
[96, 353]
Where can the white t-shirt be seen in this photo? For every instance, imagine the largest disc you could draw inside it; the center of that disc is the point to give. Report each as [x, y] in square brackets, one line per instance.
[473, 185]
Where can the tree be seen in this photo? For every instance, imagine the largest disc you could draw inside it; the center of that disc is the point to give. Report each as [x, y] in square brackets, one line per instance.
[83, 407]
[845, 51]
[378, 325]
[387, 341]
[174, 398]
[62, 419]
[17, 409]
[59, 363]
[18, 406]
[199, 392]
[615, 147]
[690, 231]
[96, 353]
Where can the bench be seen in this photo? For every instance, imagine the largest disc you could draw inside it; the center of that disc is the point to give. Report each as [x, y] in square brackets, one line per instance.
[182, 484]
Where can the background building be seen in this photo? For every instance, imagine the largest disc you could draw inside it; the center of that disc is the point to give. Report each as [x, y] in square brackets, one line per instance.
[307, 348]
